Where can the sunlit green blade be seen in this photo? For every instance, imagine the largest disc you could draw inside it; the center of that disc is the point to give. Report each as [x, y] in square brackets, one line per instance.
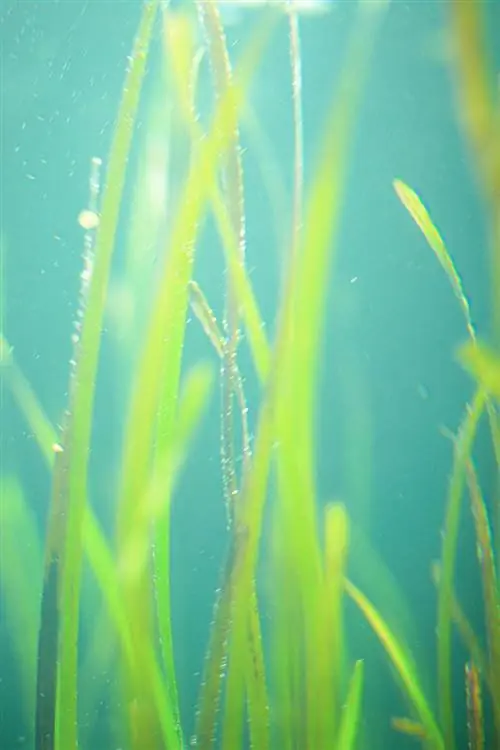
[155, 396]
[243, 571]
[379, 583]
[248, 308]
[421, 217]
[256, 681]
[155, 505]
[336, 546]
[205, 730]
[298, 355]
[231, 170]
[404, 667]
[43, 432]
[84, 388]
[285, 643]
[351, 713]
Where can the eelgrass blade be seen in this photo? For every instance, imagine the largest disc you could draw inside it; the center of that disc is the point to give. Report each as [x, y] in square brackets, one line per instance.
[243, 572]
[43, 432]
[285, 644]
[60, 597]
[20, 586]
[209, 699]
[422, 219]
[153, 506]
[185, 62]
[297, 361]
[85, 382]
[350, 718]
[404, 666]
[256, 681]
[336, 548]
[378, 582]
[491, 592]
[254, 671]
[232, 175]
[474, 701]
[462, 451]
[475, 358]
[208, 705]
[154, 402]
[246, 676]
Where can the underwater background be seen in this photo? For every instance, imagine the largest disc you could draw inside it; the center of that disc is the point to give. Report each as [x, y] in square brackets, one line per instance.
[389, 385]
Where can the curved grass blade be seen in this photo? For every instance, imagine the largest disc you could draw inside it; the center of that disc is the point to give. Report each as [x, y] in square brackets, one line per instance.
[403, 664]
[37, 420]
[422, 219]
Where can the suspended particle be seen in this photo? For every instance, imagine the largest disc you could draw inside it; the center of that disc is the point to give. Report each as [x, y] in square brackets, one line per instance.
[88, 219]
[57, 448]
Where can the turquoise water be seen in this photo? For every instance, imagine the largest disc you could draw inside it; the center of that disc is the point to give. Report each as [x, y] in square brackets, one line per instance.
[389, 382]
